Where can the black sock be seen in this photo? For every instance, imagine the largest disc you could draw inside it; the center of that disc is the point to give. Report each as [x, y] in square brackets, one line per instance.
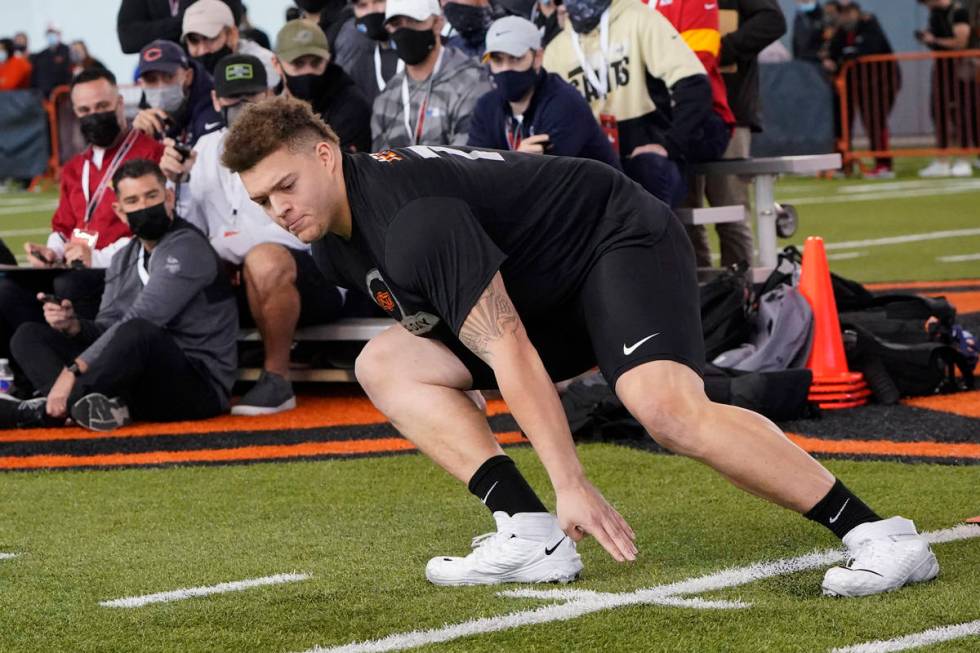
[841, 510]
[500, 486]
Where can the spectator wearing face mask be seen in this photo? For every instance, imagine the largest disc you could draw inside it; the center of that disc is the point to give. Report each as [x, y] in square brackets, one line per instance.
[469, 20]
[532, 110]
[278, 284]
[176, 94]
[162, 347]
[304, 62]
[85, 231]
[141, 21]
[51, 67]
[645, 86]
[81, 59]
[15, 71]
[431, 101]
[210, 33]
[363, 48]
[808, 30]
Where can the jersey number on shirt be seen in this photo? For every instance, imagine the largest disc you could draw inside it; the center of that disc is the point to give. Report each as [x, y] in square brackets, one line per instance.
[433, 151]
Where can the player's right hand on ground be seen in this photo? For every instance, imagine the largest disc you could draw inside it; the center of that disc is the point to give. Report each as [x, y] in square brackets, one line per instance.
[582, 510]
[534, 144]
[173, 164]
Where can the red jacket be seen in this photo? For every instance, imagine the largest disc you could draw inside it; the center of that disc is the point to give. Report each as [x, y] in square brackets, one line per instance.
[71, 204]
[697, 22]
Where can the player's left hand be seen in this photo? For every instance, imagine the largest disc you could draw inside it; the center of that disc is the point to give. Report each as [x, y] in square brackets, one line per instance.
[58, 396]
[582, 510]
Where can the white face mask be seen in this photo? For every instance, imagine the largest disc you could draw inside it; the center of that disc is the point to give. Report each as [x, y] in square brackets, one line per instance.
[3, 56]
[169, 98]
[53, 40]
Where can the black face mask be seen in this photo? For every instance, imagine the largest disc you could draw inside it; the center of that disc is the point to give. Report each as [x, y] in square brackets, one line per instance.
[100, 129]
[584, 15]
[303, 87]
[211, 59]
[149, 223]
[413, 45]
[312, 6]
[372, 26]
[514, 84]
[471, 22]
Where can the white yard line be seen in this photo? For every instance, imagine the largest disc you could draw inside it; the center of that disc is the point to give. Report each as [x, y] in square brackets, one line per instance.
[873, 197]
[878, 187]
[908, 238]
[843, 256]
[576, 603]
[191, 592]
[926, 637]
[7, 233]
[33, 208]
[958, 259]
[7, 556]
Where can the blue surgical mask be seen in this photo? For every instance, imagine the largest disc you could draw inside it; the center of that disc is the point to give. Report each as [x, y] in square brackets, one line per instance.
[3, 56]
[53, 39]
[806, 7]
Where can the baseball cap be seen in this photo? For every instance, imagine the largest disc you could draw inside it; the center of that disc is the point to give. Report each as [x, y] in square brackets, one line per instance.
[208, 18]
[165, 56]
[417, 9]
[301, 37]
[239, 74]
[512, 35]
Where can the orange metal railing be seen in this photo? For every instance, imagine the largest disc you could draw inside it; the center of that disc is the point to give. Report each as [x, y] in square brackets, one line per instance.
[869, 87]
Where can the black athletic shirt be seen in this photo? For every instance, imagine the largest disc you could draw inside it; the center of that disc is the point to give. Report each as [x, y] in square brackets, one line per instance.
[432, 225]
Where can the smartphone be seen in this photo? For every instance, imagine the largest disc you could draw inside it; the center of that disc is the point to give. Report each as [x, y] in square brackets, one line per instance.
[183, 151]
[51, 299]
[36, 253]
[919, 34]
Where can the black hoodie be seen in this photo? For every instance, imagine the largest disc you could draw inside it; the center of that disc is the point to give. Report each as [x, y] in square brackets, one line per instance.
[343, 106]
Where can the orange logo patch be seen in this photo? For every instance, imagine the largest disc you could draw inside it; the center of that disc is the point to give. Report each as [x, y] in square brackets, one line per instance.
[152, 54]
[385, 300]
[387, 156]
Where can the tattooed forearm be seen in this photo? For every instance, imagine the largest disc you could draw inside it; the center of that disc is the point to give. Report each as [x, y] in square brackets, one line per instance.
[491, 319]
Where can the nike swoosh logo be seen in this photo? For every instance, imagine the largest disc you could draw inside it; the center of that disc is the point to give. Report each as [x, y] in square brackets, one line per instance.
[709, 7]
[211, 125]
[629, 350]
[489, 491]
[837, 516]
[548, 551]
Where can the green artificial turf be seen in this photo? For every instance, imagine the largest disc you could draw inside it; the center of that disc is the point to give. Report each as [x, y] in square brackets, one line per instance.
[364, 529]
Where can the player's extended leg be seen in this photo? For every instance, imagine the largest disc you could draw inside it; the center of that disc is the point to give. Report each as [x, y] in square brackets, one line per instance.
[419, 385]
[669, 401]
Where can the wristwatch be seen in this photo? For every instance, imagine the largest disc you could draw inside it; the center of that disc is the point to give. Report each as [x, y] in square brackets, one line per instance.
[74, 369]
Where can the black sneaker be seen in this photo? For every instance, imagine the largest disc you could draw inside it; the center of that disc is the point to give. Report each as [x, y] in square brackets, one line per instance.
[96, 412]
[32, 413]
[270, 394]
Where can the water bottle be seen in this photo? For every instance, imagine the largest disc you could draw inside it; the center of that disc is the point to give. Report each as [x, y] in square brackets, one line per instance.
[6, 377]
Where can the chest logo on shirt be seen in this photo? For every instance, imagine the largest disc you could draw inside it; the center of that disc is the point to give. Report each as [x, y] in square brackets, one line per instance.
[417, 323]
[387, 156]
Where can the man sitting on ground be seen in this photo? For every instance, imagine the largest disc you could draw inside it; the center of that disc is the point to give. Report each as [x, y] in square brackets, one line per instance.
[532, 110]
[281, 286]
[163, 347]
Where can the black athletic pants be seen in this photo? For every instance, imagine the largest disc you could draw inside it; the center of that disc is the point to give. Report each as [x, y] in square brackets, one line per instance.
[142, 365]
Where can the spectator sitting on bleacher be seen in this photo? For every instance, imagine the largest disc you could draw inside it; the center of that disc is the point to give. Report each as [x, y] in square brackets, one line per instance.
[51, 67]
[282, 287]
[210, 33]
[431, 101]
[363, 48]
[469, 20]
[163, 346]
[85, 231]
[644, 84]
[532, 110]
[81, 58]
[15, 71]
[176, 94]
[303, 61]
[141, 21]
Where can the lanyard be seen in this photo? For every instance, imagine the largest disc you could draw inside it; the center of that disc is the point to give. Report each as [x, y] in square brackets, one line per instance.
[174, 8]
[512, 133]
[599, 82]
[377, 68]
[416, 135]
[92, 201]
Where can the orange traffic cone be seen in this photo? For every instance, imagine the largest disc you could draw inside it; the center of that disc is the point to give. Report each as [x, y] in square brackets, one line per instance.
[834, 386]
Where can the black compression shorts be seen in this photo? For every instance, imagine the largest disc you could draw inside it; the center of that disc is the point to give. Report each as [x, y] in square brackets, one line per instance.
[638, 304]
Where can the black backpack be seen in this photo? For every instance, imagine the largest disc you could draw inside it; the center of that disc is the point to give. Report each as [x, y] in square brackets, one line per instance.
[725, 304]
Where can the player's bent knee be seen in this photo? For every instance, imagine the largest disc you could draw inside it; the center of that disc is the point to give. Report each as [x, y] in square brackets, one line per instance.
[672, 417]
[372, 368]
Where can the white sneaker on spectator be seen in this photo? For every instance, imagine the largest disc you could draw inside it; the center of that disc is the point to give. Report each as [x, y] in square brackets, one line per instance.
[937, 169]
[962, 168]
[882, 556]
[526, 548]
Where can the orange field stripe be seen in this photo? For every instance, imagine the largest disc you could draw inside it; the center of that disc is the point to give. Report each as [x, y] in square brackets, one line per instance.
[958, 283]
[272, 452]
[312, 412]
[966, 404]
[965, 302]
[887, 447]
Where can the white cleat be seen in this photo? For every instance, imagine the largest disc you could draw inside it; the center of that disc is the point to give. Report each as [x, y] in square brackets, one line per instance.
[936, 169]
[882, 556]
[527, 548]
[961, 168]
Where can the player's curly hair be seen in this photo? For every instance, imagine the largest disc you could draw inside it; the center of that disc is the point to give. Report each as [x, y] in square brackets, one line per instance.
[264, 127]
